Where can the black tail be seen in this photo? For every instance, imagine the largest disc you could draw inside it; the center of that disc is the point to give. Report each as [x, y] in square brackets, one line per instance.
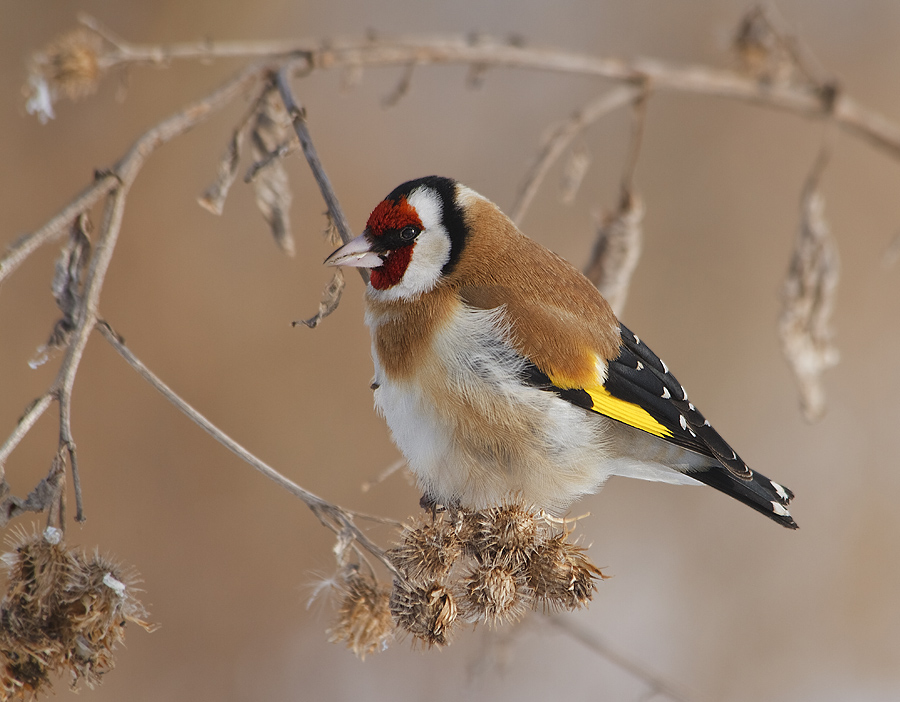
[757, 491]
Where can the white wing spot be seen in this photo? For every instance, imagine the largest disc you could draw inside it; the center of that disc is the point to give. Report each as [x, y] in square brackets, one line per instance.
[666, 394]
[640, 366]
[665, 367]
[691, 406]
[733, 455]
[683, 422]
[782, 493]
[780, 510]
[706, 423]
[684, 394]
[636, 340]
[692, 433]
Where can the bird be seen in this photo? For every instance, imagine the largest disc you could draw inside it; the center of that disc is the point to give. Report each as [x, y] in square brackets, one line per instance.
[504, 375]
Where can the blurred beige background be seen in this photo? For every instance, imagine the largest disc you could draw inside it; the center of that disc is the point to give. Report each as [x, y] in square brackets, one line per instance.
[706, 593]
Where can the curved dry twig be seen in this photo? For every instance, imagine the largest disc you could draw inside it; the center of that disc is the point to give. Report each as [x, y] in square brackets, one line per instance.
[336, 518]
[809, 99]
[114, 185]
[562, 137]
[656, 684]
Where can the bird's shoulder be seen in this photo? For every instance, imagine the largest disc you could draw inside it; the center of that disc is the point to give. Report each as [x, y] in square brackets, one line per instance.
[557, 318]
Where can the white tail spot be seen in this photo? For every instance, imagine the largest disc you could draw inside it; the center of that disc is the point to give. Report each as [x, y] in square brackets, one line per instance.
[779, 509]
[782, 493]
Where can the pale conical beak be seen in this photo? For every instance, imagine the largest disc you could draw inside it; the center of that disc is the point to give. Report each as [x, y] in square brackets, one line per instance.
[356, 254]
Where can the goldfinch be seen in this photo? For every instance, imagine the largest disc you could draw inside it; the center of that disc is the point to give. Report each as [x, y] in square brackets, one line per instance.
[504, 375]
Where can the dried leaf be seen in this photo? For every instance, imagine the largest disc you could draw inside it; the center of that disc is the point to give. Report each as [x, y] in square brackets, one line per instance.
[808, 301]
[39, 499]
[402, 87]
[213, 198]
[67, 282]
[331, 298]
[273, 192]
[331, 233]
[617, 251]
[762, 52]
[574, 170]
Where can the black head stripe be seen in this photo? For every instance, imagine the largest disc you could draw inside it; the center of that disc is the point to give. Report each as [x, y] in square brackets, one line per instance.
[451, 216]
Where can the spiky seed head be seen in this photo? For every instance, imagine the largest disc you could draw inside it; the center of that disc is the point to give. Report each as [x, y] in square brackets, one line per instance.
[62, 611]
[364, 620]
[71, 65]
[505, 533]
[427, 550]
[494, 595]
[428, 613]
[560, 575]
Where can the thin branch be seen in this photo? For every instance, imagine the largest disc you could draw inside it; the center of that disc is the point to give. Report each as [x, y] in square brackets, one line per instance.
[562, 137]
[114, 183]
[638, 121]
[620, 234]
[657, 684]
[58, 224]
[809, 100]
[342, 519]
[27, 420]
[126, 169]
[127, 52]
[298, 119]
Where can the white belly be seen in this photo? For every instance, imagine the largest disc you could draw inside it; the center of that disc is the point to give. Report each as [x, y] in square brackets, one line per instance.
[472, 432]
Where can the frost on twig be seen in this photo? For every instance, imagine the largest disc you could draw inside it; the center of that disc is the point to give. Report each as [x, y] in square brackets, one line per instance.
[808, 302]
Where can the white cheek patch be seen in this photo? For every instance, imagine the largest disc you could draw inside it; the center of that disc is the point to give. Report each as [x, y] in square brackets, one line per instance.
[430, 252]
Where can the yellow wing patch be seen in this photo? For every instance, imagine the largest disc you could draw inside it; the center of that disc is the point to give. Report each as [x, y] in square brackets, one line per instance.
[613, 407]
[626, 412]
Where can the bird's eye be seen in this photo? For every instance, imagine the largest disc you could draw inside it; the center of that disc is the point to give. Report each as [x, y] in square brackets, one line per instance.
[408, 233]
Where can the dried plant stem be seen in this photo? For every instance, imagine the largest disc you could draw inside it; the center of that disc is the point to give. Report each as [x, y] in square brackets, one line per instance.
[298, 120]
[562, 137]
[488, 52]
[28, 419]
[656, 684]
[57, 226]
[336, 518]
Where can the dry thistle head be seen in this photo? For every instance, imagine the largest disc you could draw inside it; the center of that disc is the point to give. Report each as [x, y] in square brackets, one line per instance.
[70, 67]
[364, 617]
[507, 533]
[428, 550]
[560, 575]
[428, 613]
[63, 611]
[494, 594]
[98, 603]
